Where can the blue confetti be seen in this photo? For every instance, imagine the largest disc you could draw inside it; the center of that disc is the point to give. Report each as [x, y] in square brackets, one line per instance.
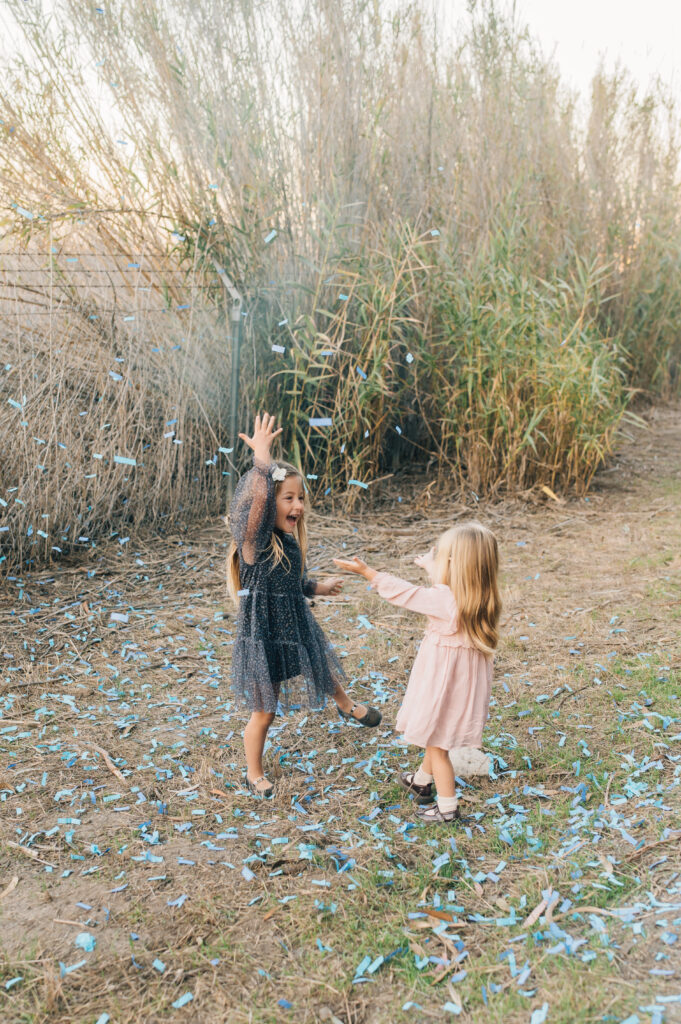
[183, 1000]
[85, 941]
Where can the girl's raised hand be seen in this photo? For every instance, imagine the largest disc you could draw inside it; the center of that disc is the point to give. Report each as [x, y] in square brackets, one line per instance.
[263, 436]
[355, 565]
[425, 561]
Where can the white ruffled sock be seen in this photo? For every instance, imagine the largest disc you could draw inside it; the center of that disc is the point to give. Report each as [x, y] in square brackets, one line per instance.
[422, 778]
[447, 804]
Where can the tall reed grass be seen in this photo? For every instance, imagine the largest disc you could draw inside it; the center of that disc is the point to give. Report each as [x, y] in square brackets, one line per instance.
[468, 268]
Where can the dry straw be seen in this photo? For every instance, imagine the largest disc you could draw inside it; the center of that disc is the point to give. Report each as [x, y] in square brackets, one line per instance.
[465, 270]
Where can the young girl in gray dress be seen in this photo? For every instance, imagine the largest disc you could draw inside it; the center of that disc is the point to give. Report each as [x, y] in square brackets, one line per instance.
[280, 653]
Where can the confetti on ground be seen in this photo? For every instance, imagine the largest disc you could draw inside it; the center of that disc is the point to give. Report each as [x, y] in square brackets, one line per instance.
[124, 799]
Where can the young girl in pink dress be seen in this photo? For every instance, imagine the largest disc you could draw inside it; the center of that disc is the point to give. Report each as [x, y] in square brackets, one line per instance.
[447, 698]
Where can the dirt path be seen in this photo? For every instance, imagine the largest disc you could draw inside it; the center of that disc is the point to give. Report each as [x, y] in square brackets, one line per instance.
[123, 816]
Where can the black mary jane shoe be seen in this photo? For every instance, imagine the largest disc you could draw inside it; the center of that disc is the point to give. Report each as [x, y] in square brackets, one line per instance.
[422, 794]
[433, 815]
[267, 793]
[370, 720]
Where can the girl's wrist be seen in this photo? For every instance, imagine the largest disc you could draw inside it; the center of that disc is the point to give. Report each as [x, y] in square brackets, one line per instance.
[370, 574]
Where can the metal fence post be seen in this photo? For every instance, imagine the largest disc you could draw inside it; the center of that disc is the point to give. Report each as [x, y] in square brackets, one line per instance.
[235, 300]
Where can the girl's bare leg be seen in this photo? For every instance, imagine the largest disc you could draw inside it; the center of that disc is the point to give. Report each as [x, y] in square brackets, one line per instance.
[441, 770]
[426, 765]
[255, 735]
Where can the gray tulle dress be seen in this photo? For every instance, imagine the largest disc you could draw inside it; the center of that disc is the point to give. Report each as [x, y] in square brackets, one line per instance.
[280, 656]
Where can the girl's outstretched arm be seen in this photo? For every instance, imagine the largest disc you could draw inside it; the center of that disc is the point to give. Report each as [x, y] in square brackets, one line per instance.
[357, 566]
[253, 510]
[435, 602]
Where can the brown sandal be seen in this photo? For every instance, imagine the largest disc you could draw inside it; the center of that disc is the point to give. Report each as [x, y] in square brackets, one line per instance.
[433, 814]
[422, 794]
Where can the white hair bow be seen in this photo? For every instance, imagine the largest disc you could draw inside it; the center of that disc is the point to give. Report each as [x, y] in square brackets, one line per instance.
[278, 473]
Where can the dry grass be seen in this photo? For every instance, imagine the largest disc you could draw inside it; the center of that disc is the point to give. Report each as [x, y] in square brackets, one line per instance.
[329, 157]
[101, 362]
[152, 693]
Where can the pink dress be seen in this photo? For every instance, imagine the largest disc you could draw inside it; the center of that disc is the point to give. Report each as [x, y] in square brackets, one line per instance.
[447, 699]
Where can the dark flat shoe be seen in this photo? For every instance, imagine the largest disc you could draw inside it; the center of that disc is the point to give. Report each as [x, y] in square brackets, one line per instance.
[371, 719]
[433, 815]
[422, 794]
[267, 793]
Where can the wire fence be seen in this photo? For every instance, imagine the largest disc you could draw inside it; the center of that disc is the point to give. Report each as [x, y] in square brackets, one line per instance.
[118, 403]
[67, 280]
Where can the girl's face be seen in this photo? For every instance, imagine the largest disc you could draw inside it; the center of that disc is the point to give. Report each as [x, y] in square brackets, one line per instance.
[290, 504]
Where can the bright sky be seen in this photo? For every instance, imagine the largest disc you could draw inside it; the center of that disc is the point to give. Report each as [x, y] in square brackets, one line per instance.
[645, 35]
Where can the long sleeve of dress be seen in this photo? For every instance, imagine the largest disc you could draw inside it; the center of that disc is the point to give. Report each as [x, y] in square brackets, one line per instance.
[253, 512]
[436, 602]
[309, 585]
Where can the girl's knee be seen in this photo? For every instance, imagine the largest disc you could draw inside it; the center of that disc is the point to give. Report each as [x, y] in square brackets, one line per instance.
[262, 718]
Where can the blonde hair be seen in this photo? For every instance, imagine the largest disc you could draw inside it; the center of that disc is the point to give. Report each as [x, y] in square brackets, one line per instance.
[467, 560]
[276, 546]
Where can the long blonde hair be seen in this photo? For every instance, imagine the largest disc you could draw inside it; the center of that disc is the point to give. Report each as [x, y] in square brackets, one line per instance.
[467, 560]
[276, 546]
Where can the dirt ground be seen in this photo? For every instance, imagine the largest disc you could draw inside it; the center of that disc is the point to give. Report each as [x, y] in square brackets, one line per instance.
[125, 823]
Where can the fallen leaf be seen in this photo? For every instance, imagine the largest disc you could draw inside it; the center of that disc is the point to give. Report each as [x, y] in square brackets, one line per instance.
[8, 888]
[454, 995]
[551, 494]
[535, 915]
[439, 914]
[607, 864]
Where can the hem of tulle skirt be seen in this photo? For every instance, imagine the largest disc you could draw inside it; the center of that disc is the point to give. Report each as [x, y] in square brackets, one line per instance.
[254, 688]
